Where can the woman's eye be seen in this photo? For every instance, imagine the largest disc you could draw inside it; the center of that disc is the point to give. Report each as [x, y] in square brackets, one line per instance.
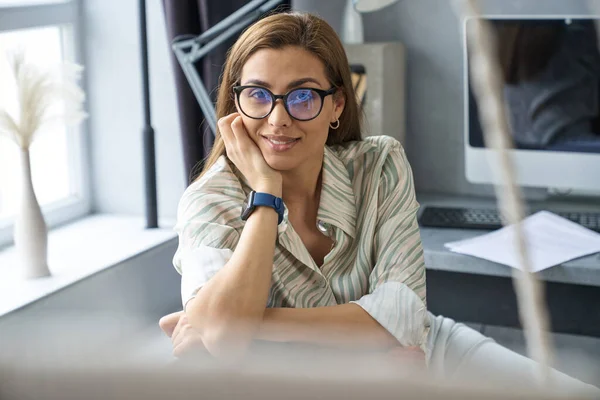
[302, 95]
[259, 94]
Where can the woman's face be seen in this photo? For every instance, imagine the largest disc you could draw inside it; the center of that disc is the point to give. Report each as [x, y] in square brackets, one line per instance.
[287, 143]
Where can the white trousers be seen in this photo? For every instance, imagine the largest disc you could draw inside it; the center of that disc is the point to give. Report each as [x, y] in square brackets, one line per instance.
[459, 352]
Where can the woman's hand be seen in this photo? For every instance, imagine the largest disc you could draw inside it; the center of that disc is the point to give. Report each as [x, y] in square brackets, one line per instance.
[186, 340]
[247, 157]
[169, 322]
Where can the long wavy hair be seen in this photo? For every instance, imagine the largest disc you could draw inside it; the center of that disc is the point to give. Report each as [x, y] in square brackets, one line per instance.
[278, 31]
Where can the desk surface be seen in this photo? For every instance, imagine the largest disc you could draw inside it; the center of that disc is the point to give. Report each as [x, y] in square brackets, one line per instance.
[583, 271]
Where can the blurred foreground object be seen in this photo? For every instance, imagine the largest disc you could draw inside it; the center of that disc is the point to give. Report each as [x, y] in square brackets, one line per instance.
[284, 373]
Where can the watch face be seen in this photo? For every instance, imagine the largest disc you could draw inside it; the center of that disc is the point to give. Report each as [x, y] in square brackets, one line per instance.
[247, 206]
[250, 200]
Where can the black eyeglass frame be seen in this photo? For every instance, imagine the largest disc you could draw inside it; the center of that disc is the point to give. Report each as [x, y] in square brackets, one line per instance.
[274, 97]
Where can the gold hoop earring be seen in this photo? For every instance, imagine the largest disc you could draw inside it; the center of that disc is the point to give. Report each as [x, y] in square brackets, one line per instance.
[337, 124]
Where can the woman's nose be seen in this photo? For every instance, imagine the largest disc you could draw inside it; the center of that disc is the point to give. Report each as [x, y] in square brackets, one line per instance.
[279, 116]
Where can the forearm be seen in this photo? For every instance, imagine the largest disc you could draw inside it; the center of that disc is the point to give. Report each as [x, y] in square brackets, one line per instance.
[344, 326]
[228, 310]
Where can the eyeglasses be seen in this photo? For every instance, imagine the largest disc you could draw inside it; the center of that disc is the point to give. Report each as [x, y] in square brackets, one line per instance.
[302, 104]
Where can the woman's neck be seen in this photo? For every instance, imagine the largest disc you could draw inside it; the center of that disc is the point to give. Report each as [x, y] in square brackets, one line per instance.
[301, 187]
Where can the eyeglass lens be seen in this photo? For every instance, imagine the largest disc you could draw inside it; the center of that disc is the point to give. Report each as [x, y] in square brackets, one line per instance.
[302, 104]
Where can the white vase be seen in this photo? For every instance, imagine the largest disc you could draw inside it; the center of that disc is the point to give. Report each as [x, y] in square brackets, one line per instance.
[30, 232]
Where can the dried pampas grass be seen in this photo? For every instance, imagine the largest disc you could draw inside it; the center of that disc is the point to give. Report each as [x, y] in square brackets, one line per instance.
[34, 99]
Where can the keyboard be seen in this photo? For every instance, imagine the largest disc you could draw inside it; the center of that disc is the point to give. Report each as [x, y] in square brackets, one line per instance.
[490, 219]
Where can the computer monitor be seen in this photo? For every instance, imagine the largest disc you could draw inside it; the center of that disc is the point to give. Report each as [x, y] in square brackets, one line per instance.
[551, 73]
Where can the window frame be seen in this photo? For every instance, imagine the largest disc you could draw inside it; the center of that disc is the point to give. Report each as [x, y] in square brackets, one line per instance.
[64, 13]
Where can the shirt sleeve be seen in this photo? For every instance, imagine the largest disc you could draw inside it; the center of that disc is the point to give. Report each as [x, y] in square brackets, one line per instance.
[206, 226]
[396, 297]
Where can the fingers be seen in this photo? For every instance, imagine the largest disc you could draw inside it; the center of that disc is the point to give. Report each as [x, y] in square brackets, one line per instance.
[225, 130]
[239, 130]
[239, 148]
[186, 339]
[190, 345]
[180, 324]
[233, 131]
[243, 150]
[169, 322]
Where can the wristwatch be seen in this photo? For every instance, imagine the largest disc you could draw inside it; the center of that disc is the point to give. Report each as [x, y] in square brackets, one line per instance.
[257, 199]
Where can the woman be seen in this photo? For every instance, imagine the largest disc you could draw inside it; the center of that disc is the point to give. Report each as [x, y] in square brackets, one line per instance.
[294, 211]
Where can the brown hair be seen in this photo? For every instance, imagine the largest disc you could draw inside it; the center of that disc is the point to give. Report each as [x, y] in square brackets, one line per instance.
[275, 32]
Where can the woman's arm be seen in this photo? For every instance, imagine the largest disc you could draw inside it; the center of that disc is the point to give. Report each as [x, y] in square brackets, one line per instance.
[228, 310]
[346, 327]
[343, 326]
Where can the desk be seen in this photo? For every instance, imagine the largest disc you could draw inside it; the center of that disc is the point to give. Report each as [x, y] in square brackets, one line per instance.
[471, 289]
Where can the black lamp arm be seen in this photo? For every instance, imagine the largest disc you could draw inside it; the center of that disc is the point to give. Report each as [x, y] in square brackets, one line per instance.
[190, 50]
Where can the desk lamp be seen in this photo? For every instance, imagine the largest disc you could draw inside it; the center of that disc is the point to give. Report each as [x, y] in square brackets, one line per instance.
[191, 50]
[371, 5]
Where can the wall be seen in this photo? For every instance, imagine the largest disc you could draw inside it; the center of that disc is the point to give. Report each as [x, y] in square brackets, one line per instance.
[431, 33]
[107, 313]
[112, 58]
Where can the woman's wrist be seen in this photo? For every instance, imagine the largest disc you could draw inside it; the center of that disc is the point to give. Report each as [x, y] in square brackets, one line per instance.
[266, 214]
[271, 187]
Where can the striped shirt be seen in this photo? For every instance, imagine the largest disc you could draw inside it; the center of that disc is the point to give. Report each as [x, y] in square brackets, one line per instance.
[369, 209]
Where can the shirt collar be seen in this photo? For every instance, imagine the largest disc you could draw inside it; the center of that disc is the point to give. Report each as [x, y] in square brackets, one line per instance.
[337, 206]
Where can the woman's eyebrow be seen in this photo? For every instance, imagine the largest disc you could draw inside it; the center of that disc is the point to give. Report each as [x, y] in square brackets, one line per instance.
[293, 84]
[257, 82]
[302, 81]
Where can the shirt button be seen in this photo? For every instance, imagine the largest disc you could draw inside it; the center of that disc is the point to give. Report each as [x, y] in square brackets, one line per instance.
[323, 227]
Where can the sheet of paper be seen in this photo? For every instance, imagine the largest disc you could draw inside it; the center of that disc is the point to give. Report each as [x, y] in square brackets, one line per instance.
[551, 240]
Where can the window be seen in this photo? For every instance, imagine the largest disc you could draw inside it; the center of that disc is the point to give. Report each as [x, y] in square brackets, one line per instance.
[47, 30]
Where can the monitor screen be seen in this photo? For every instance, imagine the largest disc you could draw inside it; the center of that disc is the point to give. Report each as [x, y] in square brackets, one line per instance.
[550, 68]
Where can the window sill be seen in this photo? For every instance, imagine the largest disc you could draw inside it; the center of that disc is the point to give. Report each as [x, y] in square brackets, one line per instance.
[78, 251]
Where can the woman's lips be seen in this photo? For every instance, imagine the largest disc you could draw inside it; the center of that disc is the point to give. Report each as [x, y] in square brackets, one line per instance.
[280, 143]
